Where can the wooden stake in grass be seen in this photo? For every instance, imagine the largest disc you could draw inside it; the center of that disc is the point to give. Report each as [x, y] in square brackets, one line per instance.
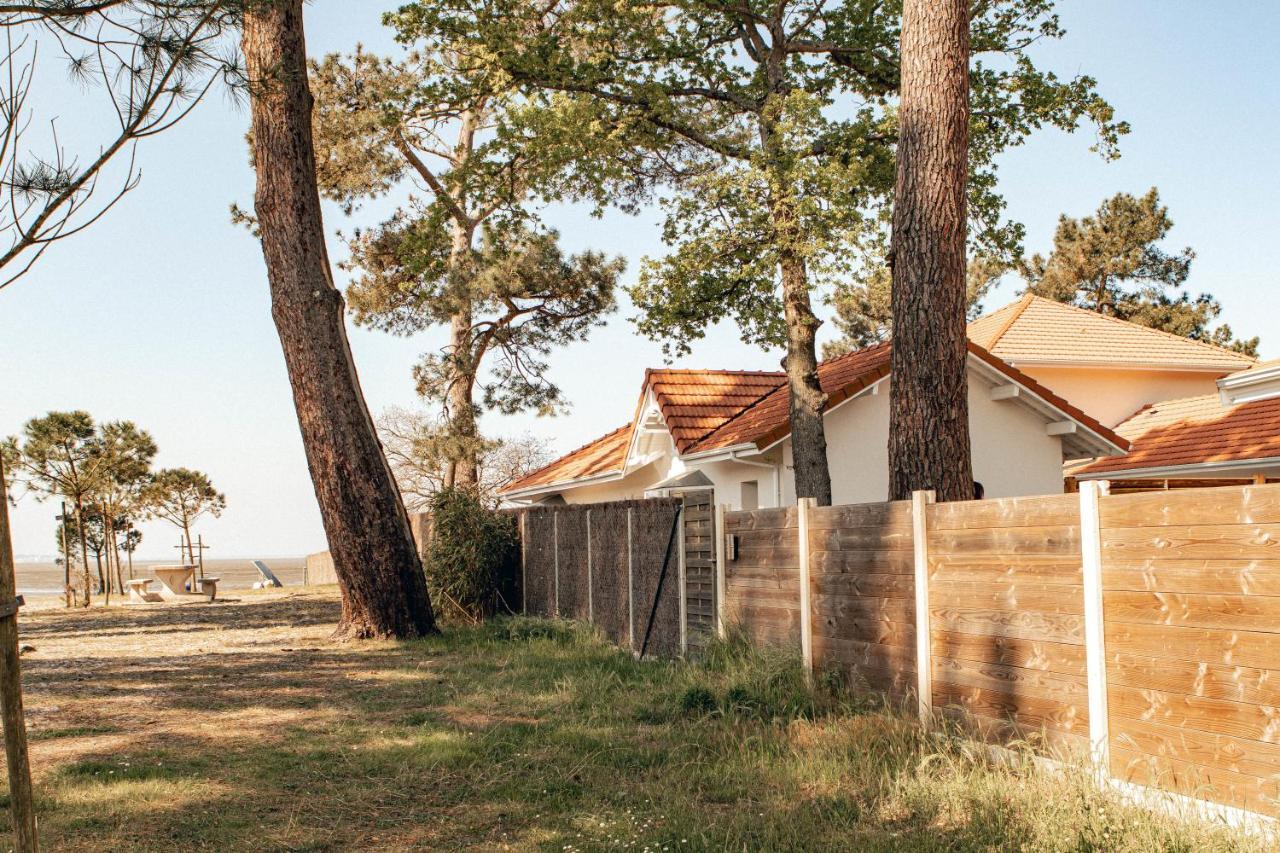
[15, 725]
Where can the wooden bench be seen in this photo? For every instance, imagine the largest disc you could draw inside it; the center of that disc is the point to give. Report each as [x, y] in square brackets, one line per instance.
[140, 592]
[209, 586]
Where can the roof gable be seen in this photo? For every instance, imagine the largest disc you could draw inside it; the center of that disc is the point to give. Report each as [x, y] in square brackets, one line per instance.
[695, 403]
[1039, 330]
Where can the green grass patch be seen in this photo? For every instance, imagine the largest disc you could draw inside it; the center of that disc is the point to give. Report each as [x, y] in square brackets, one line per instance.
[535, 735]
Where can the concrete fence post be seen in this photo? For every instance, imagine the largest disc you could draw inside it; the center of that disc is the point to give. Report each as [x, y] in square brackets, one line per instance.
[555, 555]
[524, 553]
[718, 540]
[682, 589]
[803, 508]
[631, 588]
[1091, 493]
[591, 602]
[920, 502]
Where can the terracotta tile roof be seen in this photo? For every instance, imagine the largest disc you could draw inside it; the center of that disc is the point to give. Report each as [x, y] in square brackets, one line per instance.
[1035, 329]
[1196, 430]
[769, 420]
[708, 410]
[696, 402]
[605, 455]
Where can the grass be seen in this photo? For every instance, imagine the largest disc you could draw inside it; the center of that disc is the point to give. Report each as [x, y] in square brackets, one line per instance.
[519, 734]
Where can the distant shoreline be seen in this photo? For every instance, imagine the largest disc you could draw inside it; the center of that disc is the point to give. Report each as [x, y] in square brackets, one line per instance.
[46, 578]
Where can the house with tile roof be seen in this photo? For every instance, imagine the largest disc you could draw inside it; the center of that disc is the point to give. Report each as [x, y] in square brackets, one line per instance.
[729, 432]
[1109, 367]
[1229, 436]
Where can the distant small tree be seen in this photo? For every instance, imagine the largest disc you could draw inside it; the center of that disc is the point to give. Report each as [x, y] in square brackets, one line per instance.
[125, 456]
[421, 450]
[1112, 263]
[60, 457]
[181, 497]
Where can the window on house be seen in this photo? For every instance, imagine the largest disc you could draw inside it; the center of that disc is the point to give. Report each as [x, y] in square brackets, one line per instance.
[751, 494]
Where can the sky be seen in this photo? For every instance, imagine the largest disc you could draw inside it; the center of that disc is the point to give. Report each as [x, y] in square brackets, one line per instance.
[160, 314]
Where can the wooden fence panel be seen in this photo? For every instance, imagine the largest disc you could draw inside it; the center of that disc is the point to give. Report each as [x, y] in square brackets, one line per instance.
[1191, 601]
[863, 594]
[762, 581]
[539, 562]
[699, 568]
[609, 589]
[573, 563]
[1007, 617]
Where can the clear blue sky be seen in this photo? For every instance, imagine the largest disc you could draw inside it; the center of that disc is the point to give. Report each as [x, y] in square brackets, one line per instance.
[160, 313]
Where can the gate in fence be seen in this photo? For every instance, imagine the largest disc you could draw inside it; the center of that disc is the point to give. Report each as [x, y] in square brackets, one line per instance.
[619, 566]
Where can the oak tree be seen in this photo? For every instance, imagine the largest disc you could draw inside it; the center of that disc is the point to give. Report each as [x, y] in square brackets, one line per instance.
[773, 127]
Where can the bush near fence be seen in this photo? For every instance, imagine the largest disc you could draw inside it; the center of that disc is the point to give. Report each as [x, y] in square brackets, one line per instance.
[1186, 647]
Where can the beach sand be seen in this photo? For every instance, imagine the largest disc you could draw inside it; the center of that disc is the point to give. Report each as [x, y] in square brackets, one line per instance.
[46, 578]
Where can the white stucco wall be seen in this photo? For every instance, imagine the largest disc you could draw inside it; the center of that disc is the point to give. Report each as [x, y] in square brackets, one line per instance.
[1012, 453]
[1113, 396]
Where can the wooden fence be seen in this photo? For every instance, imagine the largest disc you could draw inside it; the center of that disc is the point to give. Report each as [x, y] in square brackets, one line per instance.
[1141, 630]
[616, 565]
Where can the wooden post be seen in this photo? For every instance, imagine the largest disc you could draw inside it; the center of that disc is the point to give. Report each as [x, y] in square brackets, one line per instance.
[1091, 492]
[21, 801]
[67, 590]
[682, 586]
[631, 588]
[803, 507]
[555, 554]
[924, 650]
[524, 553]
[718, 543]
[591, 604]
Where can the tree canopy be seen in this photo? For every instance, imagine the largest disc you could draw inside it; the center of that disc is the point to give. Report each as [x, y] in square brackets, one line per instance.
[465, 250]
[1112, 262]
[773, 127]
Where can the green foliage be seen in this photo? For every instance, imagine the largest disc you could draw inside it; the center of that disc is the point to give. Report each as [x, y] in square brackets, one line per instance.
[470, 547]
[181, 496]
[60, 455]
[466, 250]
[772, 124]
[864, 310]
[524, 295]
[1112, 263]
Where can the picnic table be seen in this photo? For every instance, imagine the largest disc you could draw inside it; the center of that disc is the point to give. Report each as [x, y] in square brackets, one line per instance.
[174, 579]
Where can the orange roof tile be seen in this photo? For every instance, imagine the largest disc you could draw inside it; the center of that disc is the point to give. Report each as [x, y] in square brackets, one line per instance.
[605, 455]
[1196, 430]
[696, 402]
[770, 418]
[707, 410]
[841, 378]
[1035, 329]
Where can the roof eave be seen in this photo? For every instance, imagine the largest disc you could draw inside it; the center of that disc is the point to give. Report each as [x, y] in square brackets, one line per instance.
[1172, 471]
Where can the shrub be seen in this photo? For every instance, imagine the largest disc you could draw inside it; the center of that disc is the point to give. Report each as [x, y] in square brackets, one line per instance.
[469, 553]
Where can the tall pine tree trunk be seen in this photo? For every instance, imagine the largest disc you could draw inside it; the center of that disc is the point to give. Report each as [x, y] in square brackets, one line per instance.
[462, 409]
[384, 592]
[929, 406]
